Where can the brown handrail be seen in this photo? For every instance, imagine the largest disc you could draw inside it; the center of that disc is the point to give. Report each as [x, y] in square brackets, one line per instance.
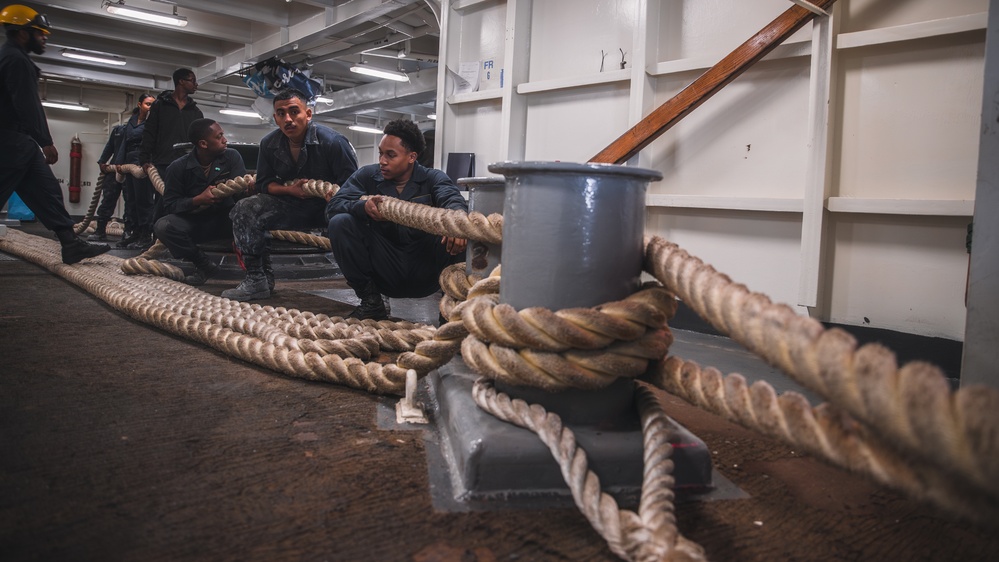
[716, 77]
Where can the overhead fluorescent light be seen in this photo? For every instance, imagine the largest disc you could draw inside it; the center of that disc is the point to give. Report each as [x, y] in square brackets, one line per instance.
[432, 116]
[324, 99]
[239, 112]
[367, 70]
[70, 106]
[120, 9]
[365, 129]
[93, 57]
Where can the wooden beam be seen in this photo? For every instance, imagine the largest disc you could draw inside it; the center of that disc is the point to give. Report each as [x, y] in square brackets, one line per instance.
[709, 83]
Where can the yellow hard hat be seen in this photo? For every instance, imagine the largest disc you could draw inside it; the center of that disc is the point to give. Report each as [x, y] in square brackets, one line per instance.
[24, 17]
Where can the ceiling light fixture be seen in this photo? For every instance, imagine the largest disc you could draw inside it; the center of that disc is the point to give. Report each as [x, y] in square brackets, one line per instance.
[92, 56]
[59, 104]
[432, 116]
[239, 112]
[365, 129]
[69, 106]
[324, 99]
[226, 110]
[368, 70]
[120, 9]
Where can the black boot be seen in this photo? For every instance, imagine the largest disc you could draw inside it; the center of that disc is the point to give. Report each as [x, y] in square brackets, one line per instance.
[76, 249]
[254, 285]
[100, 234]
[127, 237]
[142, 242]
[268, 272]
[372, 306]
[205, 270]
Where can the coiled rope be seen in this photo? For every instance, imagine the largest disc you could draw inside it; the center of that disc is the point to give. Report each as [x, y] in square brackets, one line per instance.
[585, 348]
[228, 325]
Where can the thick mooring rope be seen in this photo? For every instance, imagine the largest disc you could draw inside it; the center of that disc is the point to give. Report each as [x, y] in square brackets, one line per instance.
[304, 238]
[145, 264]
[928, 426]
[459, 287]
[209, 320]
[455, 283]
[912, 407]
[233, 186]
[914, 401]
[902, 426]
[446, 342]
[113, 228]
[824, 431]
[444, 222]
[81, 226]
[584, 348]
[148, 263]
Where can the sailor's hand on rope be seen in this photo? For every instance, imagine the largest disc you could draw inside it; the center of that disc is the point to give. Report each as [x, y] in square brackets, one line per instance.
[206, 197]
[134, 170]
[454, 246]
[371, 207]
[297, 189]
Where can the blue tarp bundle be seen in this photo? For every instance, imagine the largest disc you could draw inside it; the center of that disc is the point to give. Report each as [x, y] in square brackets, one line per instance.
[16, 209]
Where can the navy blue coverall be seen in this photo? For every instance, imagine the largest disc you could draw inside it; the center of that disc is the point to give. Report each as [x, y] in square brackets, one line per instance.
[23, 131]
[403, 262]
[182, 225]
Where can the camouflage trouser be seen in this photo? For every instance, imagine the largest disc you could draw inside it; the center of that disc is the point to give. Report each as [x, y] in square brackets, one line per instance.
[254, 216]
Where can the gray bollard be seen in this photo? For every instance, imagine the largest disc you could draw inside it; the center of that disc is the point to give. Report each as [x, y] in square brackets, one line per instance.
[485, 195]
[573, 236]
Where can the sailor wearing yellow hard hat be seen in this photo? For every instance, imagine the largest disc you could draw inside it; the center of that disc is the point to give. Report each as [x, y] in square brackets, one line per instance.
[25, 141]
[22, 18]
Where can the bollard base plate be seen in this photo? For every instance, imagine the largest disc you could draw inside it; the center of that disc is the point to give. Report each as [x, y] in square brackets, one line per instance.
[492, 464]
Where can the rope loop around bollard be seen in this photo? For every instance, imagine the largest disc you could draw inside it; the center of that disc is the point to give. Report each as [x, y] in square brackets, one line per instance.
[586, 348]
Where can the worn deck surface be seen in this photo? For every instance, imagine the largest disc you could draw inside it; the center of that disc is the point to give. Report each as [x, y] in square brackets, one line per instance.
[121, 442]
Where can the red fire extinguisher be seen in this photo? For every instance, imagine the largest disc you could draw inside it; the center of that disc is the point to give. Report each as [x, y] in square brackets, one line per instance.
[75, 159]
